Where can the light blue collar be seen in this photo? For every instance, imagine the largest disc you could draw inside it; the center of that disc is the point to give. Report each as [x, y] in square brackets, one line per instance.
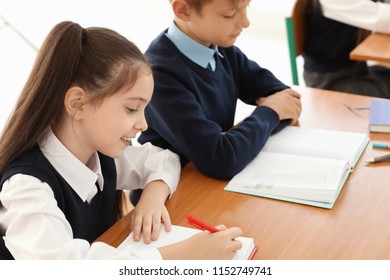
[196, 52]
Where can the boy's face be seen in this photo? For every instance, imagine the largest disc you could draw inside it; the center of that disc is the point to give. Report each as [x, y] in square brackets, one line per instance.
[220, 23]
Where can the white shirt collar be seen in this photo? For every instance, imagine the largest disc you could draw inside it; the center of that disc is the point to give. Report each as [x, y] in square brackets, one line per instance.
[79, 176]
[198, 53]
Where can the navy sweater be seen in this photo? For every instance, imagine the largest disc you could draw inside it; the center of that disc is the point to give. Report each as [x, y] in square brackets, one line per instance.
[88, 220]
[328, 42]
[192, 109]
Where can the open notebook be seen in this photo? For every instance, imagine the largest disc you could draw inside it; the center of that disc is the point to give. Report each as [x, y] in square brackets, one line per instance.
[308, 166]
[179, 233]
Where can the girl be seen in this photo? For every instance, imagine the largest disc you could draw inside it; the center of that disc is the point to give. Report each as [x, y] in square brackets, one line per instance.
[65, 151]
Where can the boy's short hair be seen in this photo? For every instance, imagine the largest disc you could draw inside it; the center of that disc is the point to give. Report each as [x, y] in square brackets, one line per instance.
[198, 4]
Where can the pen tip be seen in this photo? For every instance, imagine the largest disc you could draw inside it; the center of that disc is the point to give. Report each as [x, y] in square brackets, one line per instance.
[370, 160]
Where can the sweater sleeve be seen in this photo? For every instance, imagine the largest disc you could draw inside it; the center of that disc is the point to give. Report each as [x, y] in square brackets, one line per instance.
[254, 81]
[180, 120]
[195, 119]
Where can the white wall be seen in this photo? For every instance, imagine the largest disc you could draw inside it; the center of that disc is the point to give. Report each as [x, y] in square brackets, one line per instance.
[140, 21]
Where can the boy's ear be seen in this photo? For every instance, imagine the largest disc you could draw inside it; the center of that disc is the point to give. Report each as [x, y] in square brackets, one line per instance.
[74, 101]
[181, 9]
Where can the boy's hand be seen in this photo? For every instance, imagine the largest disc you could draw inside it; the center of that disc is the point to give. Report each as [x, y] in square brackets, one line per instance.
[286, 103]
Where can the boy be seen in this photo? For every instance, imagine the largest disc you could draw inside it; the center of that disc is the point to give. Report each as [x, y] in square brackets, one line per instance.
[199, 76]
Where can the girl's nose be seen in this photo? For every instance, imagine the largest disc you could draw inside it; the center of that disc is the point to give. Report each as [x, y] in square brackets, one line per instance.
[141, 124]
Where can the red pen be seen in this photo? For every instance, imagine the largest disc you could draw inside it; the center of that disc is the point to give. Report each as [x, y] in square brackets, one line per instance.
[200, 224]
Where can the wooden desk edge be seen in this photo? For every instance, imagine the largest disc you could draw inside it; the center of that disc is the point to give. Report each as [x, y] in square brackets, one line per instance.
[118, 232]
[364, 51]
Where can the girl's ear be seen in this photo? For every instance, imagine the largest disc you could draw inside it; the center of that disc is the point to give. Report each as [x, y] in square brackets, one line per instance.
[74, 102]
[181, 9]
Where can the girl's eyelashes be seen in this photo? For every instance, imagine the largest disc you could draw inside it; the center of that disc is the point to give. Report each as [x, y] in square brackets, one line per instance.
[131, 110]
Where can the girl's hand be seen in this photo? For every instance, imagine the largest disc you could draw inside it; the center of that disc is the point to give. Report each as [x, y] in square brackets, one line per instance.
[150, 212]
[205, 246]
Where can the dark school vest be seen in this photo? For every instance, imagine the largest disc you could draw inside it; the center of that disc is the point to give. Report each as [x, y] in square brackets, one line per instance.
[88, 220]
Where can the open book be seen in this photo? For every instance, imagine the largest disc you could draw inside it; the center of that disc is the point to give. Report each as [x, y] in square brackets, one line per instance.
[308, 166]
[179, 233]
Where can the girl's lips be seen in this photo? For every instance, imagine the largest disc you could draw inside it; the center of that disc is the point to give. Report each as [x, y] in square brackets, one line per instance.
[127, 140]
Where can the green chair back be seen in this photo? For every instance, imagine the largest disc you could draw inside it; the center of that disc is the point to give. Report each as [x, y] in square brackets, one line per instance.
[296, 29]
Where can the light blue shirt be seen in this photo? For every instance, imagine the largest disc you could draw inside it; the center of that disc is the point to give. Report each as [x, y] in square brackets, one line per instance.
[196, 52]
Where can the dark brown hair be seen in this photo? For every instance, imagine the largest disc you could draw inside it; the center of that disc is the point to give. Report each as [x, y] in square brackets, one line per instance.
[99, 60]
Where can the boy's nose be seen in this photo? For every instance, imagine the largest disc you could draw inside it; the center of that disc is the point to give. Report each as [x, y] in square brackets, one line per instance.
[245, 21]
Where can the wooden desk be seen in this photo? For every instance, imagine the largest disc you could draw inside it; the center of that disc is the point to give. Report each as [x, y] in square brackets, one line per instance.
[358, 226]
[376, 47]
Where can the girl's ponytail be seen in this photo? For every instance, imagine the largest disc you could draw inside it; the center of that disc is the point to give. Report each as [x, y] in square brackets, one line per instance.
[41, 100]
[99, 60]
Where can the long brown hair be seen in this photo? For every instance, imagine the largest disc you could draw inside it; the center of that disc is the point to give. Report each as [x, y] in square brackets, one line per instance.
[99, 60]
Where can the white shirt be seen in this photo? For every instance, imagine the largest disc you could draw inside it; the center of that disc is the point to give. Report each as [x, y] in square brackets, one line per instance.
[37, 228]
[363, 14]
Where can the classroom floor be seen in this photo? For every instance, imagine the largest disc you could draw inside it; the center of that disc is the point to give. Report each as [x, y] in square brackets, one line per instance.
[22, 31]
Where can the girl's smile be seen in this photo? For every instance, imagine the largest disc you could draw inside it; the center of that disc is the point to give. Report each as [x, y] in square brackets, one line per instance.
[127, 140]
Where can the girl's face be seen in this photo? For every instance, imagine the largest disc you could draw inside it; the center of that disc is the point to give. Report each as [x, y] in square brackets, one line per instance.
[219, 23]
[109, 126]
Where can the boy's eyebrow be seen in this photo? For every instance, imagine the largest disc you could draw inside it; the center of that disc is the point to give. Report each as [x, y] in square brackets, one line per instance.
[237, 6]
[244, 4]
